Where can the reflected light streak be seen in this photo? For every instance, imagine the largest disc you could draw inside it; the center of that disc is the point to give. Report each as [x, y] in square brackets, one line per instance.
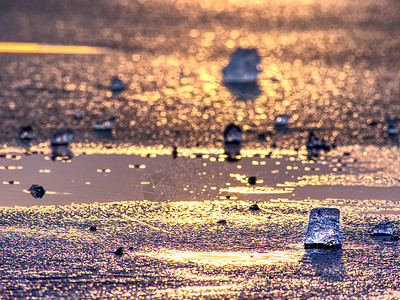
[233, 258]
[257, 190]
[145, 224]
[10, 47]
[48, 192]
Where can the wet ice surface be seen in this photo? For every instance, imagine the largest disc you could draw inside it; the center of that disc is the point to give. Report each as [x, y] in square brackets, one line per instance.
[174, 244]
[331, 66]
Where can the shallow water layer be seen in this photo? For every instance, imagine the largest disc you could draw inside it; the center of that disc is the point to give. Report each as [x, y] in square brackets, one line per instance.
[121, 174]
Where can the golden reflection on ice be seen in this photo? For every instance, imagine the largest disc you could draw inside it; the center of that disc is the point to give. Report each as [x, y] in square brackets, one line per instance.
[255, 190]
[231, 258]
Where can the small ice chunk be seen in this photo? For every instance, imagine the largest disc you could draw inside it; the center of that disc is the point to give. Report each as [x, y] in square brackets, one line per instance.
[117, 85]
[393, 129]
[232, 134]
[104, 125]
[383, 229]
[78, 116]
[313, 142]
[26, 133]
[323, 228]
[282, 120]
[37, 191]
[174, 152]
[392, 125]
[62, 137]
[315, 145]
[244, 67]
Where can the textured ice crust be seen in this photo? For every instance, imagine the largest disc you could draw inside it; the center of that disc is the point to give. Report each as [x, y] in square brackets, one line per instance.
[323, 229]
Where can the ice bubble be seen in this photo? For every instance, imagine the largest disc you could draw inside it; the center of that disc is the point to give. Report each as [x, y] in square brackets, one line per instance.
[323, 229]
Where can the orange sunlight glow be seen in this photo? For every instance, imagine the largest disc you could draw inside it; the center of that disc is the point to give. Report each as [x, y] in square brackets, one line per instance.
[11, 47]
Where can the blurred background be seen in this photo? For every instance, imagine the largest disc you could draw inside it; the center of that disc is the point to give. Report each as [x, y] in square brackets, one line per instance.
[331, 65]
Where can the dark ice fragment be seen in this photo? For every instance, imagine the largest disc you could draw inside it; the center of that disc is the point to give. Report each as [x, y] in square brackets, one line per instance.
[37, 191]
[119, 251]
[252, 180]
[254, 207]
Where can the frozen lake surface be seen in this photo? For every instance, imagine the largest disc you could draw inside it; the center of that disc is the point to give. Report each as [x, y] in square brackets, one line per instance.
[184, 223]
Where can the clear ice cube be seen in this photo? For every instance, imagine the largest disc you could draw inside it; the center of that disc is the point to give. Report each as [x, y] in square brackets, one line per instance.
[117, 85]
[232, 134]
[244, 67]
[323, 228]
